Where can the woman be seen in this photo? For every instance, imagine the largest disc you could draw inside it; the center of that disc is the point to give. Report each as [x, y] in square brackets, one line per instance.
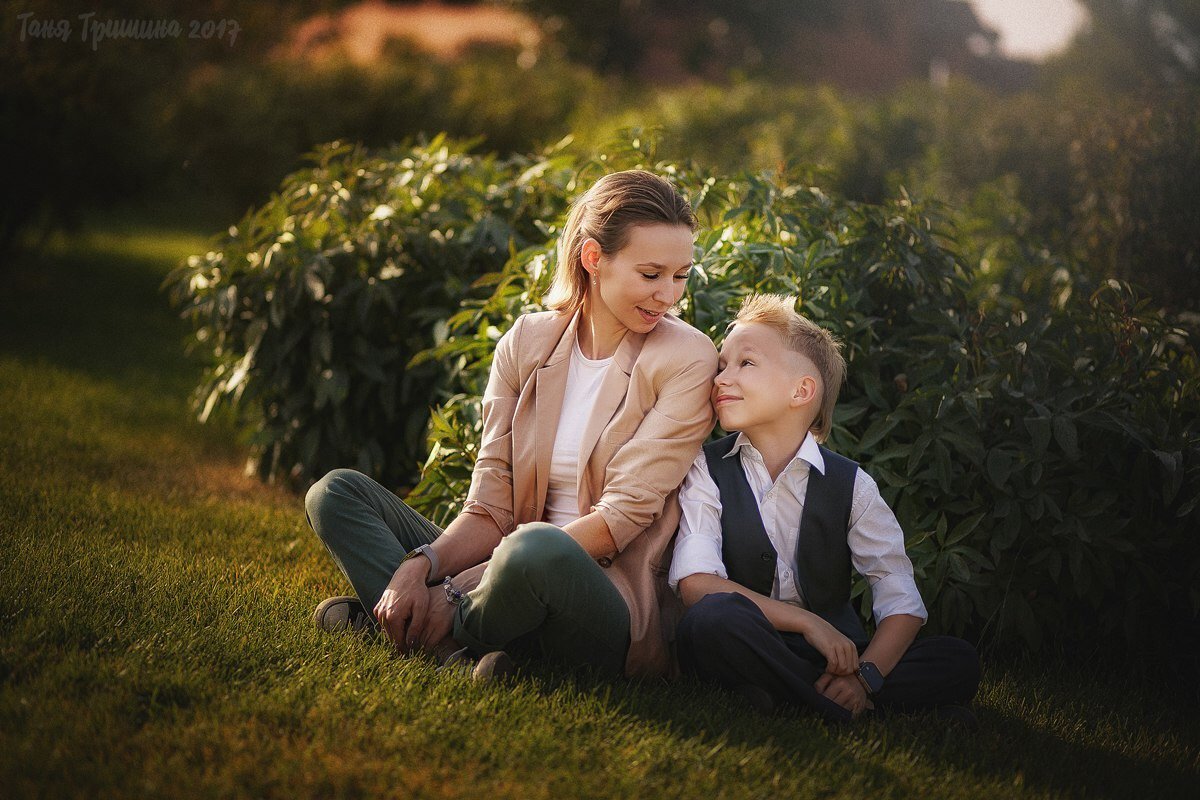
[593, 412]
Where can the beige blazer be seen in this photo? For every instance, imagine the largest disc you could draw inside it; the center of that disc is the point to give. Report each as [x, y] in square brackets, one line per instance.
[651, 415]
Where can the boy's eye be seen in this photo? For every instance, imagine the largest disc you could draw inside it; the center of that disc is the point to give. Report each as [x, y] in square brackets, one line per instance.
[650, 276]
[681, 276]
[747, 363]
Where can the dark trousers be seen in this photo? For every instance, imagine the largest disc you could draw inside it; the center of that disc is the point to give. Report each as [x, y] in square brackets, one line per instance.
[726, 639]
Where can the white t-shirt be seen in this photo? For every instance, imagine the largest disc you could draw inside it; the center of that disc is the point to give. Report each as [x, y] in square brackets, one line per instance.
[584, 377]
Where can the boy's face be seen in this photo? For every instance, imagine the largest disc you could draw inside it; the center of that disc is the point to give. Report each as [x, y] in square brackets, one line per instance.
[760, 382]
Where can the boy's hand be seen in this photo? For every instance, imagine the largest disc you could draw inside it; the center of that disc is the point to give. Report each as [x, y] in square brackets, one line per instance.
[845, 690]
[841, 655]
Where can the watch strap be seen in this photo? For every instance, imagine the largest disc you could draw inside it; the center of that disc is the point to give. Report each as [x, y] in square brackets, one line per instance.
[427, 551]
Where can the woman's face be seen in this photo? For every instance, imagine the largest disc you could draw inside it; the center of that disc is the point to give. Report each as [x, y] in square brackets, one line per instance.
[635, 286]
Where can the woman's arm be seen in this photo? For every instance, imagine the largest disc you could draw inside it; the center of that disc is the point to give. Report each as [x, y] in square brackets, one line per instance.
[654, 461]
[402, 611]
[591, 531]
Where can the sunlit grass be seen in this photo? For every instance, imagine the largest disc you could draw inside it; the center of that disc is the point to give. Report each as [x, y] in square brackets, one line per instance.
[154, 605]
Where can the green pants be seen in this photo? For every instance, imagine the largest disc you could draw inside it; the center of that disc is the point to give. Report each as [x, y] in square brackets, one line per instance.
[541, 596]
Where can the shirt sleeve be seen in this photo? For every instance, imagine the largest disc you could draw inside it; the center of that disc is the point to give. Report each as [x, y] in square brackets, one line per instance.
[491, 491]
[877, 552]
[654, 461]
[698, 545]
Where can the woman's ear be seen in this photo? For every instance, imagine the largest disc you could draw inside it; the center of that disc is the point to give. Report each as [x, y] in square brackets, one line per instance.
[590, 255]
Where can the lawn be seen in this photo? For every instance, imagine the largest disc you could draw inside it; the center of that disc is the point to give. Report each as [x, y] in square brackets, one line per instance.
[156, 641]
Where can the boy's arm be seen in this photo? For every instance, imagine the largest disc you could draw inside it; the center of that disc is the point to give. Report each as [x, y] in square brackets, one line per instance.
[877, 552]
[697, 569]
[876, 543]
[839, 652]
[892, 638]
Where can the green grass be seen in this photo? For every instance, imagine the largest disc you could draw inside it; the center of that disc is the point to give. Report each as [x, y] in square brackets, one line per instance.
[154, 608]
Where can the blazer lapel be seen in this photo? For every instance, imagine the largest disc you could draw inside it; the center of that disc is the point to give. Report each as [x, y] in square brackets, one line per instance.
[549, 387]
[613, 390]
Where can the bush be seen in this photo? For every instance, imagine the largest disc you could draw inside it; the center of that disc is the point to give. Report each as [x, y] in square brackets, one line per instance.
[240, 127]
[1042, 454]
[1105, 181]
[1045, 466]
[309, 310]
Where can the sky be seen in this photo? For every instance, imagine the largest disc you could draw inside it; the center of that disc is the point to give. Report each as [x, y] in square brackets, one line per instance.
[1031, 28]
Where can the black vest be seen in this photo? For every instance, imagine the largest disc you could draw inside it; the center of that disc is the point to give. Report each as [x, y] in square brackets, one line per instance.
[822, 554]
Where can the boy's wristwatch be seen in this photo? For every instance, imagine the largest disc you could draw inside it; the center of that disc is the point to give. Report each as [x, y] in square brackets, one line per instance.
[869, 677]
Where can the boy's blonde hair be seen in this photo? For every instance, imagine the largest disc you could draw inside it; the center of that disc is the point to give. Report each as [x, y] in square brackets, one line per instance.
[803, 336]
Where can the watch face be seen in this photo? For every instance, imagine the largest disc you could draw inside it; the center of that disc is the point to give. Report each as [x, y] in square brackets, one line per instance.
[870, 674]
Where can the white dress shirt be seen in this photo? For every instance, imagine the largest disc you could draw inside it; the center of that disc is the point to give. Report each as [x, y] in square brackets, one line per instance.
[875, 538]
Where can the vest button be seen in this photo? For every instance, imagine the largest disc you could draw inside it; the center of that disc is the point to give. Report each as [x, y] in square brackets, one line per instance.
[604, 561]
[767, 557]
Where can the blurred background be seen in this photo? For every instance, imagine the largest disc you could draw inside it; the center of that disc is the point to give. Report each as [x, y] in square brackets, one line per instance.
[1068, 125]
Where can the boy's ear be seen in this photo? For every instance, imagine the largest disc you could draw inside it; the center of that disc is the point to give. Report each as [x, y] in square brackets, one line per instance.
[805, 391]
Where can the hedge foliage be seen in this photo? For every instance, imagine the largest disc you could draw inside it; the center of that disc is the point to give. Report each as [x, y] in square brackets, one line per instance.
[1042, 453]
[311, 307]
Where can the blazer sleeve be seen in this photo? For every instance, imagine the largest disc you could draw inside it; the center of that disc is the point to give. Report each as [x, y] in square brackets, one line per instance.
[654, 461]
[491, 491]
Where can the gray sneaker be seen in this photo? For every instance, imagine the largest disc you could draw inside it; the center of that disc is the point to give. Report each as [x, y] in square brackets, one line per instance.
[494, 666]
[336, 614]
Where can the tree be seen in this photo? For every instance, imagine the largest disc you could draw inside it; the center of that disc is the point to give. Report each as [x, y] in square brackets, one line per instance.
[1131, 44]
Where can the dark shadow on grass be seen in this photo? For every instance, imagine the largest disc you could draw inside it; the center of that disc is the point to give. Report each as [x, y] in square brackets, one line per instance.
[89, 308]
[1006, 749]
[689, 709]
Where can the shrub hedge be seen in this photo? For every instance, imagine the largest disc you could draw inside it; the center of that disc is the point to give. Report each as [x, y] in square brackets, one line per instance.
[1042, 454]
[310, 308]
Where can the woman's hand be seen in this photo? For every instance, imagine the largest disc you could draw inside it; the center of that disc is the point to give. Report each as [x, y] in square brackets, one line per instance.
[402, 610]
[841, 656]
[439, 621]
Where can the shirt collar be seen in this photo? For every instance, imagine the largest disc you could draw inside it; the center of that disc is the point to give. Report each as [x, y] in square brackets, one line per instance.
[809, 451]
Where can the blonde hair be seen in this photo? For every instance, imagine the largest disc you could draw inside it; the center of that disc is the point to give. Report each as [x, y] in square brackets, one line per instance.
[801, 335]
[607, 212]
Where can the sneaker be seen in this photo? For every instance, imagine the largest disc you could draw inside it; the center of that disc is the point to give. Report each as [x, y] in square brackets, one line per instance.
[494, 666]
[336, 614]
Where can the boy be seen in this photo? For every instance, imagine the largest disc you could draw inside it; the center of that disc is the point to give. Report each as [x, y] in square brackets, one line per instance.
[772, 522]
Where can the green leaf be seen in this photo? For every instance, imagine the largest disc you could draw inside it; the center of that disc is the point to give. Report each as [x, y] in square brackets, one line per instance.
[878, 429]
[1066, 436]
[999, 467]
[1039, 432]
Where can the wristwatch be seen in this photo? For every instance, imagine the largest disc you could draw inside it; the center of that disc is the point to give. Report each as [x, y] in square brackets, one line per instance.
[427, 551]
[869, 677]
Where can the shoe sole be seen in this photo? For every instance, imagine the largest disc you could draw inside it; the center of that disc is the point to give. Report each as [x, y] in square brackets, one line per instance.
[494, 667]
[326, 618]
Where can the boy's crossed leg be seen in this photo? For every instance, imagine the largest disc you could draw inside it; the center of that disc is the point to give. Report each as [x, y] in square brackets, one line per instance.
[726, 639]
